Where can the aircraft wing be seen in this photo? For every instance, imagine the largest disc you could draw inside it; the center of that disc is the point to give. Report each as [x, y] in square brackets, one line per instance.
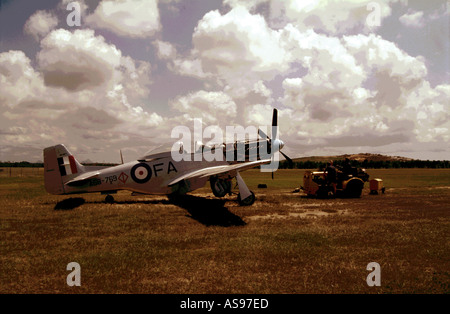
[218, 170]
[79, 180]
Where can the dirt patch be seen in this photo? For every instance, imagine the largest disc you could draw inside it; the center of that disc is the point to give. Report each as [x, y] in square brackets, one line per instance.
[310, 210]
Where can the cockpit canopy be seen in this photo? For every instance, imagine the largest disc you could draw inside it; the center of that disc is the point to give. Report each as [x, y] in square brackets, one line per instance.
[177, 147]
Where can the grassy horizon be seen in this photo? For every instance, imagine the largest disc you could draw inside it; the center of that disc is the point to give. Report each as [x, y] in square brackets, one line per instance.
[284, 243]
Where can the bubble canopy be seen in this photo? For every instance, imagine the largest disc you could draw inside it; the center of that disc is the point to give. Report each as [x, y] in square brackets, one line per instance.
[177, 146]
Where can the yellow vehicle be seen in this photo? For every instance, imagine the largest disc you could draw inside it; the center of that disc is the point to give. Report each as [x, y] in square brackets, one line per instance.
[348, 184]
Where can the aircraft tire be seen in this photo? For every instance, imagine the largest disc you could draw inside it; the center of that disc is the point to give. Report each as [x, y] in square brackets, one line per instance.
[354, 188]
[109, 199]
[220, 188]
[247, 201]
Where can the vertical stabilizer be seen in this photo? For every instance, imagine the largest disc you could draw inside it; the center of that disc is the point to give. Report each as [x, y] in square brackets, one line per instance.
[60, 166]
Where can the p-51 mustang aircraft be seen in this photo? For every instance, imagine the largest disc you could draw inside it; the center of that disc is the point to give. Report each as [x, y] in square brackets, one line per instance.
[158, 173]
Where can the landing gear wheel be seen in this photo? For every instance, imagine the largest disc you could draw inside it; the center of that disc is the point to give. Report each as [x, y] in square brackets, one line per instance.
[247, 201]
[109, 199]
[220, 187]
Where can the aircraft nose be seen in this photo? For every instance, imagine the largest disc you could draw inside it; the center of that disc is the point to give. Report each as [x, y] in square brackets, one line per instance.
[281, 144]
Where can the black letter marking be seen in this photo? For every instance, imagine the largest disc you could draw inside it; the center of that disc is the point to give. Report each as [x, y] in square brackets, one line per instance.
[156, 169]
[171, 167]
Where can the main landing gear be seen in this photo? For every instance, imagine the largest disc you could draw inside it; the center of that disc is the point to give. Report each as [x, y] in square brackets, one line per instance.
[222, 187]
[249, 200]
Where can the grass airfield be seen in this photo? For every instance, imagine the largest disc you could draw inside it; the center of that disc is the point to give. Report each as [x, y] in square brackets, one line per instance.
[284, 243]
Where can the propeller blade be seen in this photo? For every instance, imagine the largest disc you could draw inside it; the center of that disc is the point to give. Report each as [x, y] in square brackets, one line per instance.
[121, 157]
[262, 134]
[272, 169]
[287, 158]
[275, 117]
[274, 123]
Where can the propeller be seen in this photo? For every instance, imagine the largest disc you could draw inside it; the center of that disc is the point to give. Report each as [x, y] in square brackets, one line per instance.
[277, 142]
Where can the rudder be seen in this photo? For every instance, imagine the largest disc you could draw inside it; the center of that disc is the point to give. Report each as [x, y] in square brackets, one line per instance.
[59, 167]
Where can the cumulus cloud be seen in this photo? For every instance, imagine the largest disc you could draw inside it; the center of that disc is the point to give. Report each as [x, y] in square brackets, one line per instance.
[165, 50]
[84, 91]
[413, 19]
[40, 24]
[129, 18]
[379, 98]
[18, 78]
[238, 47]
[211, 107]
[324, 16]
[78, 60]
[333, 17]
[353, 90]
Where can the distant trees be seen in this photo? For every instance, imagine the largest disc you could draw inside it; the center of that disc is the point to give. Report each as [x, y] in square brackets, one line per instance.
[369, 164]
[26, 164]
[21, 164]
[307, 164]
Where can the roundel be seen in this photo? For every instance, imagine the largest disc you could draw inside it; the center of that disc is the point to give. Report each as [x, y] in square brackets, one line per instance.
[141, 173]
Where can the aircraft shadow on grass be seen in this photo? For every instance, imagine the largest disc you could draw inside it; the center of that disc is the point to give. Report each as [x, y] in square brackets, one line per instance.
[210, 212]
[70, 203]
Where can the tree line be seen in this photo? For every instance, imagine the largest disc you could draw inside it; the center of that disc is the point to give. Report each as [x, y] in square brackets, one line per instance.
[26, 164]
[368, 164]
[308, 164]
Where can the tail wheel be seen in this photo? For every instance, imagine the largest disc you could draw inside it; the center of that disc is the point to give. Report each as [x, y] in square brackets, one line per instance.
[247, 201]
[109, 199]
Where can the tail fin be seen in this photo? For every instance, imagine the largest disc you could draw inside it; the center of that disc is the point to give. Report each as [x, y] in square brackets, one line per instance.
[59, 167]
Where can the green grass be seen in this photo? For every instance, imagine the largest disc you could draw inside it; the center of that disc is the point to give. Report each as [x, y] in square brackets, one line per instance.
[149, 245]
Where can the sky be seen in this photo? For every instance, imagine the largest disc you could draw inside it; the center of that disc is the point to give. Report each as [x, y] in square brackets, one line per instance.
[347, 76]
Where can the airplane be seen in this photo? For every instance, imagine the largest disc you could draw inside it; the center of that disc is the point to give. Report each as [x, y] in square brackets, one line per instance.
[158, 173]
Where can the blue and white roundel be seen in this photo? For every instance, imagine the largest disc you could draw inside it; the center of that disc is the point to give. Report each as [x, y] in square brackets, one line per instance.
[141, 173]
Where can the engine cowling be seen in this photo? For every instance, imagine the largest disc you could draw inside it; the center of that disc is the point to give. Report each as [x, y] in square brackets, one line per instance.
[220, 187]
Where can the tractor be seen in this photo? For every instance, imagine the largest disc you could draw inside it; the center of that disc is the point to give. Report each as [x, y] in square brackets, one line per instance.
[350, 183]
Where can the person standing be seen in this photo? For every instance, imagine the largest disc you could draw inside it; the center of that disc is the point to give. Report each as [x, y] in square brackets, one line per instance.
[331, 176]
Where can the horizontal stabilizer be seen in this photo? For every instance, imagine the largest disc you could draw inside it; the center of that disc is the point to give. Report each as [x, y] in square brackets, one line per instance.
[83, 178]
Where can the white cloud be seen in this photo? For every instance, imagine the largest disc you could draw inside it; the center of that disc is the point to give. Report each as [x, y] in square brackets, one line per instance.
[86, 94]
[354, 90]
[165, 50]
[238, 47]
[18, 79]
[325, 16]
[78, 60]
[332, 17]
[379, 96]
[40, 24]
[188, 67]
[129, 18]
[211, 107]
[413, 19]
